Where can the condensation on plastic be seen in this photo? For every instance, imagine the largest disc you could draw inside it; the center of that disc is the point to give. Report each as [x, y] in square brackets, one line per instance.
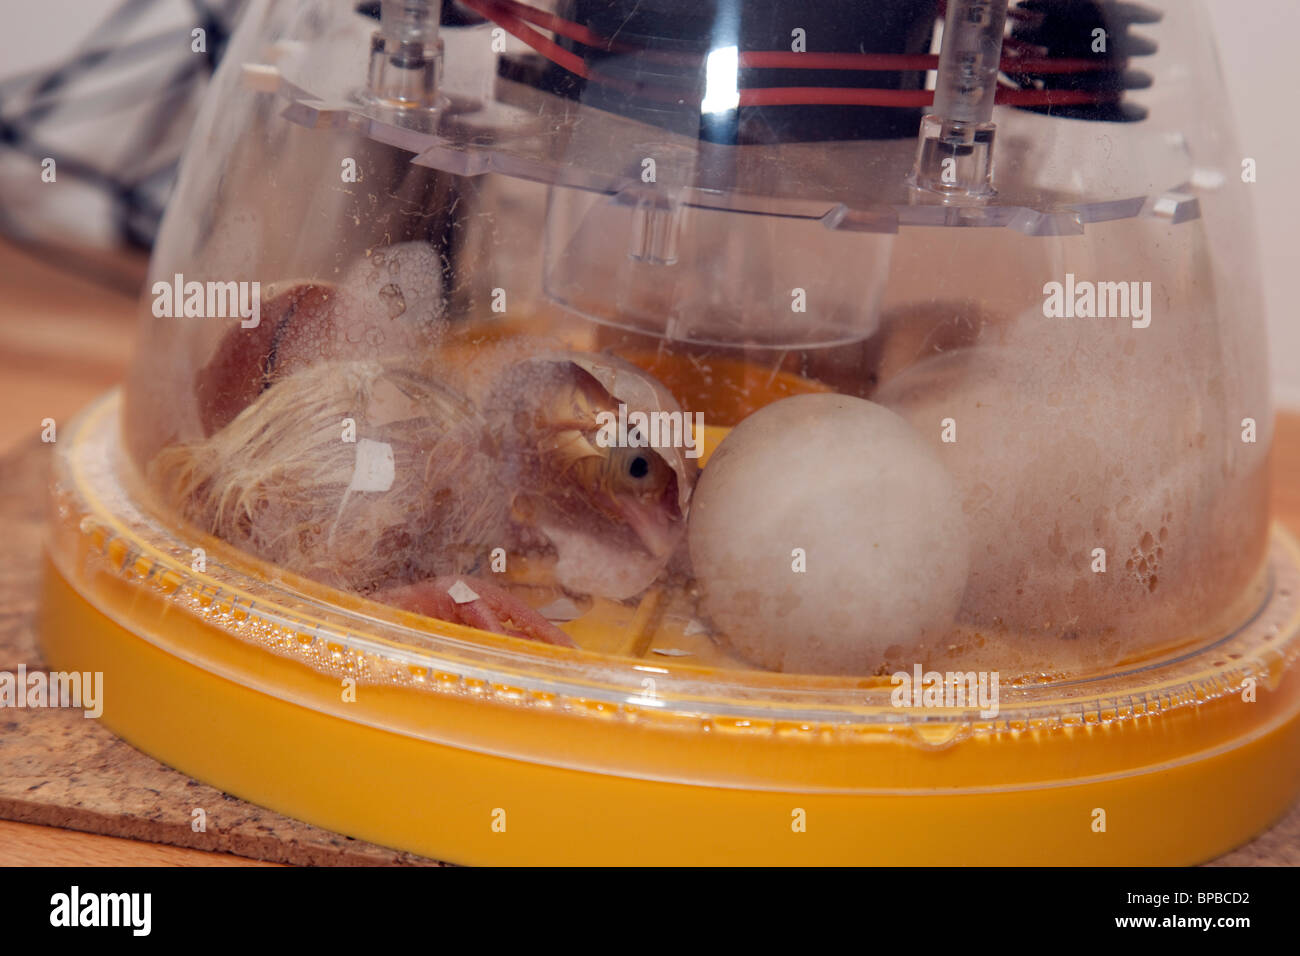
[121, 557]
[1074, 433]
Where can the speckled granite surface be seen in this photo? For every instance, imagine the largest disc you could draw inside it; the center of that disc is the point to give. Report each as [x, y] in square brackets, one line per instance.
[59, 769]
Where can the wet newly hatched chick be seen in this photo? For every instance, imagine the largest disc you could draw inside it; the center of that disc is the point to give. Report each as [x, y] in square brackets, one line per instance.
[614, 515]
[381, 479]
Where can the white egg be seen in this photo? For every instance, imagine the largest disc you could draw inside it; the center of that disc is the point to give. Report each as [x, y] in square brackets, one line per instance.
[827, 536]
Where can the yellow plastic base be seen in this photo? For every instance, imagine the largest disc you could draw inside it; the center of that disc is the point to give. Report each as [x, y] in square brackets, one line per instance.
[468, 807]
[439, 741]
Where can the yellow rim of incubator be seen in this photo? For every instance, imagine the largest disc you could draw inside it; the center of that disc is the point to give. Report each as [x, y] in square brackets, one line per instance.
[475, 749]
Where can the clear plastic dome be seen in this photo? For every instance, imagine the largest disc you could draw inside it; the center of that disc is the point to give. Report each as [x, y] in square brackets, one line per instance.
[702, 417]
[749, 335]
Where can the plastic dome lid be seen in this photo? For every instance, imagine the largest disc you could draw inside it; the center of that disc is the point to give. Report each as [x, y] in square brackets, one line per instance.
[405, 284]
[694, 376]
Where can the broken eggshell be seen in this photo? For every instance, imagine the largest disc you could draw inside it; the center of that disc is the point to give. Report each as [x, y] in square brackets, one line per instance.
[388, 305]
[640, 391]
[827, 537]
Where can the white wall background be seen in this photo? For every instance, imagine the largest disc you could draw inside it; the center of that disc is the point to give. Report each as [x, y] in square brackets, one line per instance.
[1257, 48]
[1259, 65]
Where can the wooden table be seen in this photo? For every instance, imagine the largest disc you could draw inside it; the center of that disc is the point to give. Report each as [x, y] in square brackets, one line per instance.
[64, 340]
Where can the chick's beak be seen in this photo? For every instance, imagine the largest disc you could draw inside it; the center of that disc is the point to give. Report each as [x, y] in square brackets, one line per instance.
[653, 522]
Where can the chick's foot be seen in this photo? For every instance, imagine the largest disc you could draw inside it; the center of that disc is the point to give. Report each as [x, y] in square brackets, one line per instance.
[474, 603]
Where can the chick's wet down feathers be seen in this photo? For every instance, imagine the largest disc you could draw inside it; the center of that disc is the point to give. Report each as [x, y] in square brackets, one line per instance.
[282, 482]
[441, 470]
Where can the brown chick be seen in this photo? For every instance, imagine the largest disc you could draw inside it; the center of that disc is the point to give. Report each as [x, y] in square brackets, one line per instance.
[408, 503]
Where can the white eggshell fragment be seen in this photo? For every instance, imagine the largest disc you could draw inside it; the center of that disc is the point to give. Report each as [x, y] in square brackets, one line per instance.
[827, 537]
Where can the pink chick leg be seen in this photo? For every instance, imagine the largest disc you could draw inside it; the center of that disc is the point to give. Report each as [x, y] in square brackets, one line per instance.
[494, 609]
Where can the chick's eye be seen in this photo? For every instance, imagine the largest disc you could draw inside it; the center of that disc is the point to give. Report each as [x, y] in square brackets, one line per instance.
[638, 467]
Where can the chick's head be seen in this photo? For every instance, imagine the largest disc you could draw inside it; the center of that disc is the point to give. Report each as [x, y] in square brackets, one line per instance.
[612, 505]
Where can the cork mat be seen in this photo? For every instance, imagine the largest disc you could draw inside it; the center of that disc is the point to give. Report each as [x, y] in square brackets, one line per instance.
[59, 769]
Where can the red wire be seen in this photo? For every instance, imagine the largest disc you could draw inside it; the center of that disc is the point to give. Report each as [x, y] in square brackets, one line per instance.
[832, 96]
[787, 60]
[783, 60]
[522, 31]
[511, 15]
[549, 21]
[1009, 96]
[1053, 64]
[847, 96]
